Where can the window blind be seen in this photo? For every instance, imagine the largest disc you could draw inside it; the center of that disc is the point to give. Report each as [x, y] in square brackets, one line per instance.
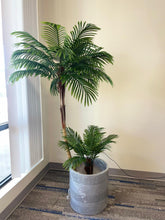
[24, 97]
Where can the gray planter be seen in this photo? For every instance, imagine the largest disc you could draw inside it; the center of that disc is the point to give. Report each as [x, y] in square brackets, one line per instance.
[88, 193]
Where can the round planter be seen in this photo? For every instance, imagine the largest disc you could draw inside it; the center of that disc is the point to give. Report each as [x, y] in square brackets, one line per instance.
[88, 193]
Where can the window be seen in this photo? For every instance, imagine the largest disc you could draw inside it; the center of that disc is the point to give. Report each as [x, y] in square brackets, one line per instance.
[5, 166]
[23, 98]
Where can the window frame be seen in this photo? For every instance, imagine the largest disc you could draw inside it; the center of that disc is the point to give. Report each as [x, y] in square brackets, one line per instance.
[4, 126]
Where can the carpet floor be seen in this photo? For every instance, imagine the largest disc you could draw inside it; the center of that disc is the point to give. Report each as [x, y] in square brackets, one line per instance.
[128, 199]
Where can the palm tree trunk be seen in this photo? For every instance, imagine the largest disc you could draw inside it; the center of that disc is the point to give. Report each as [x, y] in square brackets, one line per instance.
[63, 113]
[89, 166]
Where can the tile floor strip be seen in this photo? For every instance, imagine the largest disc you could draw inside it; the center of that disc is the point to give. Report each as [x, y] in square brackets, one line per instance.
[130, 182]
[131, 206]
[123, 205]
[51, 188]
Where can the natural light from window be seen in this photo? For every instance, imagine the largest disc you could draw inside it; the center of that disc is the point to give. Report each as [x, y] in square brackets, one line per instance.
[3, 100]
[5, 167]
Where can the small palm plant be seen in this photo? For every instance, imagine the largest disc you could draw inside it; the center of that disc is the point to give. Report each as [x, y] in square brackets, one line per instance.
[86, 149]
[68, 61]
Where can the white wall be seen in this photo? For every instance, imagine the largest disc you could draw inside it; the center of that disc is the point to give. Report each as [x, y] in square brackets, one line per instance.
[133, 32]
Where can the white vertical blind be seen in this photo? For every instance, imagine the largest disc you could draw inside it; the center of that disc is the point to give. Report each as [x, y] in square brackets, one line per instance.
[30, 11]
[5, 166]
[12, 19]
[24, 96]
[3, 100]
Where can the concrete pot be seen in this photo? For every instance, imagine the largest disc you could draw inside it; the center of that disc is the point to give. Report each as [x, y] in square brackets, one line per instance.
[89, 193]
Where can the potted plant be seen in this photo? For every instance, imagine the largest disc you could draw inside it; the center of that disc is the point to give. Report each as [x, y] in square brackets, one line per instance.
[88, 174]
[70, 62]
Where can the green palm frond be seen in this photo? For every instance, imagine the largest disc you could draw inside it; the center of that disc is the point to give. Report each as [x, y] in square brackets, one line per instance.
[29, 64]
[33, 53]
[28, 38]
[82, 87]
[25, 73]
[92, 144]
[65, 145]
[98, 56]
[54, 35]
[103, 145]
[32, 59]
[62, 55]
[81, 35]
[93, 59]
[92, 135]
[73, 141]
[87, 64]
[88, 69]
[73, 162]
[54, 90]
[84, 30]
[94, 141]
[77, 46]
[73, 137]
[100, 75]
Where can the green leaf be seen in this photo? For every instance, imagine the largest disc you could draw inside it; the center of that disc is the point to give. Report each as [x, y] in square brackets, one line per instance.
[25, 73]
[28, 38]
[54, 35]
[84, 30]
[92, 144]
[54, 86]
[73, 162]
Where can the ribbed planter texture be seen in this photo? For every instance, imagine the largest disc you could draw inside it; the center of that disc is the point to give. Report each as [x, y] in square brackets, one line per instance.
[89, 193]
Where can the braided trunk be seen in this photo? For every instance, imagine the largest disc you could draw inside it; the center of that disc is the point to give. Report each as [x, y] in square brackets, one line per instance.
[62, 111]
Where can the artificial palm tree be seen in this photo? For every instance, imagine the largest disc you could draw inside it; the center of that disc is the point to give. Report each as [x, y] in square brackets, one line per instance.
[68, 61]
[86, 149]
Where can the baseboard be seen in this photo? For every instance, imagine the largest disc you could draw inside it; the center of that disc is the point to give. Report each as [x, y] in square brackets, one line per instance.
[121, 172]
[137, 174]
[58, 166]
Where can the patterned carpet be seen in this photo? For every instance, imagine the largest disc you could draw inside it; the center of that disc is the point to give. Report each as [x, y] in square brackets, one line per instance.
[128, 199]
